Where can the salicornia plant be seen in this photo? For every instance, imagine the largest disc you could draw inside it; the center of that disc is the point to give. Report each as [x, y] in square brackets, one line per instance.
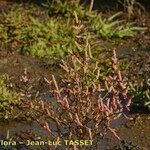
[79, 110]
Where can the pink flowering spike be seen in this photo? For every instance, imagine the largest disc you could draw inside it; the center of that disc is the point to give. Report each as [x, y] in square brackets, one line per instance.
[129, 99]
[77, 120]
[114, 134]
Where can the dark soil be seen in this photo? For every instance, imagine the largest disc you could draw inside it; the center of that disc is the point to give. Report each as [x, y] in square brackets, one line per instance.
[137, 131]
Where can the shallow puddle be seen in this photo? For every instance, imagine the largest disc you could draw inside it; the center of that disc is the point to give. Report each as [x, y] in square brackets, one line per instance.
[136, 131]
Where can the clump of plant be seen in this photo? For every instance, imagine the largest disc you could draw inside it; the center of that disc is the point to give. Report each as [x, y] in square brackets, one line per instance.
[20, 30]
[64, 8]
[84, 107]
[7, 97]
[113, 28]
[141, 93]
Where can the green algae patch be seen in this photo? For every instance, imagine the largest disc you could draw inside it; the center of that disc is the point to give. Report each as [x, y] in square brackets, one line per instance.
[8, 97]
